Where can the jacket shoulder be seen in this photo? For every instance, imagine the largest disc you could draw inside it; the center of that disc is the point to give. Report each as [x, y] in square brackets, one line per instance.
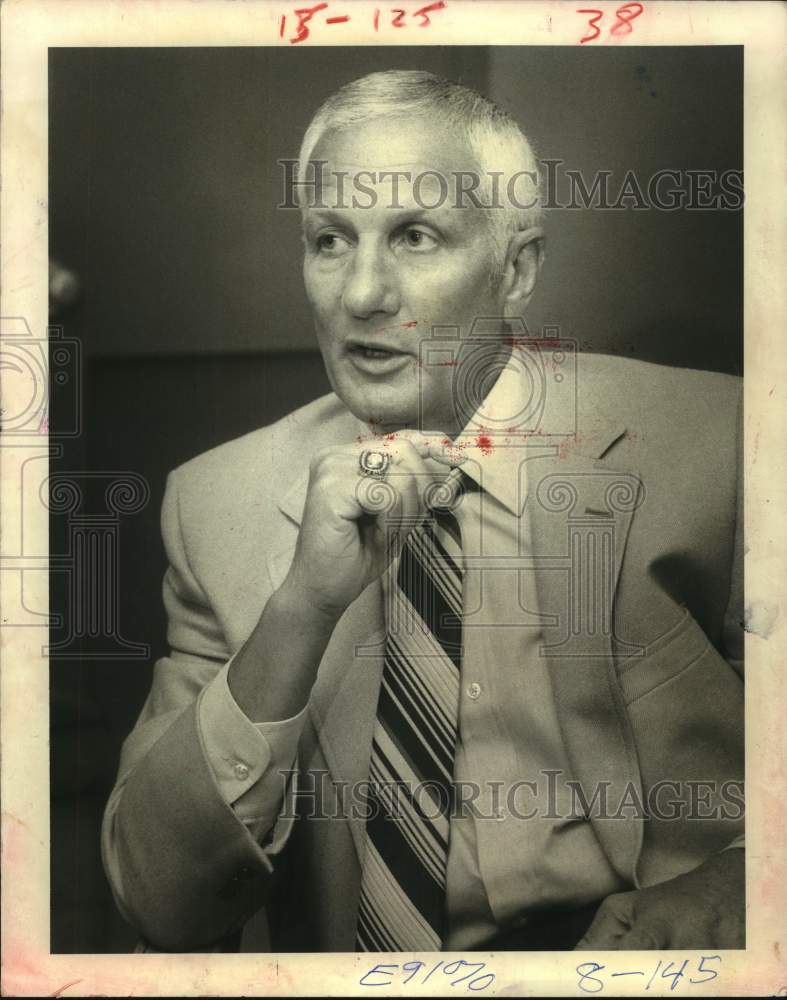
[642, 391]
[635, 374]
[260, 465]
[278, 444]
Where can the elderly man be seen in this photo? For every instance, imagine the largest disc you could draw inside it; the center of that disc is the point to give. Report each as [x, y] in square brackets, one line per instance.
[456, 650]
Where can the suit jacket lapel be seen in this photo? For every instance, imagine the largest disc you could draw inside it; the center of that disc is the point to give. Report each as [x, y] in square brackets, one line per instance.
[580, 507]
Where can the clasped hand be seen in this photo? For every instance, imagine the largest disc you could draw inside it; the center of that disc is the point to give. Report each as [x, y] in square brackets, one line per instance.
[705, 908]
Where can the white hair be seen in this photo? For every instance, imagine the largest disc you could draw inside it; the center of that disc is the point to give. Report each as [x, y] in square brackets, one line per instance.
[495, 140]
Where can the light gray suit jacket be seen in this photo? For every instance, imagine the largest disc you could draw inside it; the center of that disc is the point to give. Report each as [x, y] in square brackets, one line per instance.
[655, 466]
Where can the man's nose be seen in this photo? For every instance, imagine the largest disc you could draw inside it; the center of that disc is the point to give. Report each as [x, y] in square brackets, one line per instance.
[372, 284]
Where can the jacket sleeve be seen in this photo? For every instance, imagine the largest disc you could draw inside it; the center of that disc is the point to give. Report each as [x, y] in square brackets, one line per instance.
[183, 867]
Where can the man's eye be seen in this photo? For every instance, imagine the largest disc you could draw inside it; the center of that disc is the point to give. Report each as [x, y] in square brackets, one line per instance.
[417, 239]
[331, 243]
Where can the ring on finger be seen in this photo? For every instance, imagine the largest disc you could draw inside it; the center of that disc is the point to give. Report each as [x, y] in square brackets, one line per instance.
[374, 463]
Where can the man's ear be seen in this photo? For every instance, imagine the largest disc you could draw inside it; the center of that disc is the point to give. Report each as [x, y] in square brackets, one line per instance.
[523, 262]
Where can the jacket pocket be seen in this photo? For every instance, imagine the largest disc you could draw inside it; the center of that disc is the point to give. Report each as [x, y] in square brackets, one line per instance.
[661, 661]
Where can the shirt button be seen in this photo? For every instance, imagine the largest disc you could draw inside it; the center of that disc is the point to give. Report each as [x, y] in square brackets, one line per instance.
[241, 772]
[473, 691]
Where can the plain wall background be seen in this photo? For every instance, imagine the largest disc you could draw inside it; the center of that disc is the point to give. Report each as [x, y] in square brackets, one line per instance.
[195, 328]
[664, 286]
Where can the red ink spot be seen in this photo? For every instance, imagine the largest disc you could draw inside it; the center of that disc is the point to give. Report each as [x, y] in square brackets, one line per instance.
[398, 21]
[400, 326]
[484, 442]
[377, 19]
[569, 444]
[337, 20]
[448, 364]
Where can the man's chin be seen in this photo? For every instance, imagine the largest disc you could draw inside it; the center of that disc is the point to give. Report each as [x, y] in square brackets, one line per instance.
[389, 423]
[382, 416]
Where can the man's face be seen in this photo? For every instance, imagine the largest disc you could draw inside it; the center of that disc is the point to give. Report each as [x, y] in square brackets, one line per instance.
[380, 278]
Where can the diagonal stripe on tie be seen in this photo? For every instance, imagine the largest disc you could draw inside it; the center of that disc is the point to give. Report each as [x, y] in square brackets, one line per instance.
[417, 581]
[433, 556]
[432, 696]
[400, 717]
[402, 900]
[411, 817]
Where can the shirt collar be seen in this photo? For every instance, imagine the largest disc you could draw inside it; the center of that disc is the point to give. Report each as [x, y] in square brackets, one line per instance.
[495, 437]
[514, 422]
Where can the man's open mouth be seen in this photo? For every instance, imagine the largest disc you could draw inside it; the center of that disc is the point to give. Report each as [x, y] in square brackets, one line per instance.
[374, 352]
[377, 360]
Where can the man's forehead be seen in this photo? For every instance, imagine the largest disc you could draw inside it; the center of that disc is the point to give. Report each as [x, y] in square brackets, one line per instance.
[390, 163]
[394, 144]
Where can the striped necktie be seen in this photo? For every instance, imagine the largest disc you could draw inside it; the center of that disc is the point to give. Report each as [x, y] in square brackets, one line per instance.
[402, 901]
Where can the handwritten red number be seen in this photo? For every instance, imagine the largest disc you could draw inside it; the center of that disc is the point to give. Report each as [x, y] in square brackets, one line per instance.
[398, 18]
[625, 15]
[304, 15]
[622, 26]
[424, 12]
[592, 23]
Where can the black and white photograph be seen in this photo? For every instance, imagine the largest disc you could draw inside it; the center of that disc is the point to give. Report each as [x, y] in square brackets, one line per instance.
[392, 443]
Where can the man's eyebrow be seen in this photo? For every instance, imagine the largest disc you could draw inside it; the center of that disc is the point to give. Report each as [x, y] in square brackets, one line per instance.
[407, 213]
[316, 215]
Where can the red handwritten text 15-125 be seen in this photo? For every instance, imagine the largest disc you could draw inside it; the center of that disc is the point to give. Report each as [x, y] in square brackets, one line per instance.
[303, 21]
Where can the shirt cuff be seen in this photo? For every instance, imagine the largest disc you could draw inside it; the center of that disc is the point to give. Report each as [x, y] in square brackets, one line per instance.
[739, 841]
[273, 837]
[252, 762]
